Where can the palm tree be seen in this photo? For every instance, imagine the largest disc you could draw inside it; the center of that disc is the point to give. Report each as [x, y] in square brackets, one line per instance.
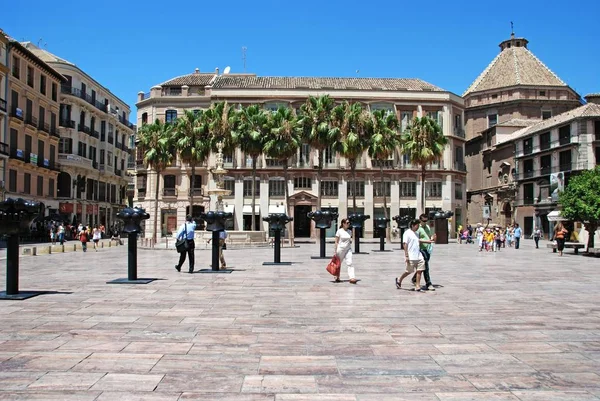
[350, 128]
[315, 119]
[384, 140]
[424, 143]
[282, 142]
[191, 142]
[221, 120]
[251, 139]
[156, 140]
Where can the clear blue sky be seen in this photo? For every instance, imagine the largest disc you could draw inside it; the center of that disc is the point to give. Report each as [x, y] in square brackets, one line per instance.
[130, 45]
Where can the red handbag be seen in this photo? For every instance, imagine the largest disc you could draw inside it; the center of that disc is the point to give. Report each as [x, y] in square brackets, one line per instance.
[333, 267]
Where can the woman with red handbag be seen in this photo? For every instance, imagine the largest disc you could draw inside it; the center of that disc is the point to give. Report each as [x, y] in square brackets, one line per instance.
[343, 249]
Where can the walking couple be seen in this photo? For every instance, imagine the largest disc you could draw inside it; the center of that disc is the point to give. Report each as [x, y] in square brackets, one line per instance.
[418, 245]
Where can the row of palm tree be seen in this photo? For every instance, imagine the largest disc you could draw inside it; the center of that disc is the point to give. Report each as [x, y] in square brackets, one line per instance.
[347, 128]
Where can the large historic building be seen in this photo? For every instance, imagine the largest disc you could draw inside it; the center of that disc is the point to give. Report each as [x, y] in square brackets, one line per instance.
[31, 134]
[407, 98]
[93, 150]
[4, 72]
[514, 93]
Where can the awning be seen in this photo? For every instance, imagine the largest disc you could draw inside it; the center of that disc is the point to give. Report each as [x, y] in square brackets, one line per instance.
[276, 209]
[228, 208]
[248, 209]
[555, 216]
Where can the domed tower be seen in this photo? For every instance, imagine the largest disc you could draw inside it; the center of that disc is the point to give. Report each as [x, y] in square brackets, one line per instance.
[514, 91]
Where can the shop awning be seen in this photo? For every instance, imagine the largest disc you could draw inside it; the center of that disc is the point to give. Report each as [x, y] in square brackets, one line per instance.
[276, 209]
[248, 209]
[555, 216]
[229, 208]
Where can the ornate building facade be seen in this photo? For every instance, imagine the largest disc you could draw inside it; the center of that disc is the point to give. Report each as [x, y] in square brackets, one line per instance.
[94, 146]
[514, 92]
[407, 98]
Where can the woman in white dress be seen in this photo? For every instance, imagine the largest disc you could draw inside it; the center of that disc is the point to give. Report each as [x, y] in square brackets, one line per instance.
[343, 249]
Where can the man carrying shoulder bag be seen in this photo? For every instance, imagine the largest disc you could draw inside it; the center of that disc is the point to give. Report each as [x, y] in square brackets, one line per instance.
[185, 243]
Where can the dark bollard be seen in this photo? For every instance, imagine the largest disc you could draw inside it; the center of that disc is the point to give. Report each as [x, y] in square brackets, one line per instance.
[15, 216]
[215, 222]
[357, 222]
[132, 217]
[381, 224]
[322, 219]
[277, 222]
[402, 222]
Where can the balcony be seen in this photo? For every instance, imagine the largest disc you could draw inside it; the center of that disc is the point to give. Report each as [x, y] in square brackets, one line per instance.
[32, 121]
[169, 192]
[273, 163]
[460, 166]
[146, 96]
[69, 159]
[139, 163]
[94, 165]
[546, 171]
[16, 71]
[53, 132]
[48, 164]
[67, 123]
[44, 127]
[131, 165]
[4, 149]
[382, 163]
[2, 105]
[459, 132]
[19, 154]
[125, 122]
[118, 145]
[111, 139]
[96, 134]
[69, 90]
[118, 173]
[84, 128]
[196, 192]
[16, 112]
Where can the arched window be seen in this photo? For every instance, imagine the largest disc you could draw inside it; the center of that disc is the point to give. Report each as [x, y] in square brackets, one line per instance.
[144, 118]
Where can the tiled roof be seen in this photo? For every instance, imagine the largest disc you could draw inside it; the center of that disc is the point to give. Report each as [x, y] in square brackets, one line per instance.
[514, 66]
[255, 82]
[517, 122]
[587, 110]
[194, 79]
[44, 55]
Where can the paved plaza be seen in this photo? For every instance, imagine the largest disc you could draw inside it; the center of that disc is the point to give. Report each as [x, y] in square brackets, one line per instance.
[516, 325]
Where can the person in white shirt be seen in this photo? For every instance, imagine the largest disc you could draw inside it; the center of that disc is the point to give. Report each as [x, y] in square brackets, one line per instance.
[343, 249]
[413, 256]
[96, 235]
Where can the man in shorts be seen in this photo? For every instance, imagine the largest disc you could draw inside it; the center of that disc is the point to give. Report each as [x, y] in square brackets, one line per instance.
[413, 256]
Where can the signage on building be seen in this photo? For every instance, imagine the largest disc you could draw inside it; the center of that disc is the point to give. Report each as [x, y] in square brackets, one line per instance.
[486, 212]
[46, 163]
[19, 113]
[33, 158]
[79, 208]
[65, 207]
[19, 153]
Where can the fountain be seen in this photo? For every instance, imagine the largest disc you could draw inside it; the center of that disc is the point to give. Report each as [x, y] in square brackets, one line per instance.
[218, 174]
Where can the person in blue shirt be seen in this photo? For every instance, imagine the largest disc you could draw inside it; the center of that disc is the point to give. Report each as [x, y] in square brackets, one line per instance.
[517, 235]
[186, 230]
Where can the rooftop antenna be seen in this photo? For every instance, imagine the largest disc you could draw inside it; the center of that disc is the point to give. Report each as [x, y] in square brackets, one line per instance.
[512, 29]
[39, 42]
[244, 48]
[357, 73]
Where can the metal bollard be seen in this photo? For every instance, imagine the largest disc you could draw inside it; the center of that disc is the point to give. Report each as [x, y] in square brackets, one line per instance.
[50, 250]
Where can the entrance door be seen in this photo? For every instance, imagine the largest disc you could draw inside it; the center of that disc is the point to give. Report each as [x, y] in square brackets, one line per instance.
[301, 221]
[528, 223]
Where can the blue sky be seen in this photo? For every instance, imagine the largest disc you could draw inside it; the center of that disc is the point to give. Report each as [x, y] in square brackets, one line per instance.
[131, 45]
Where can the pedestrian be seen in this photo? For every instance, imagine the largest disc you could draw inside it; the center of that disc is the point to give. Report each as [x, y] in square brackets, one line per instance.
[343, 249]
[96, 235]
[83, 237]
[187, 231]
[479, 233]
[412, 255]
[560, 235]
[61, 233]
[426, 241]
[52, 235]
[222, 246]
[517, 233]
[537, 234]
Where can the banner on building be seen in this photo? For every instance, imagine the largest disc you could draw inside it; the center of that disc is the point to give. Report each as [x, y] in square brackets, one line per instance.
[89, 209]
[486, 212]
[79, 208]
[65, 207]
[557, 185]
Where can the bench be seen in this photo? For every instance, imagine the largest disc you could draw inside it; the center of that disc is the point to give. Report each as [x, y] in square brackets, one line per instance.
[576, 246]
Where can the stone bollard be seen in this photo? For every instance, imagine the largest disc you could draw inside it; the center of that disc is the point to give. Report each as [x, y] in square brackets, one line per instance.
[50, 250]
[74, 247]
[62, 248]
[34, 251]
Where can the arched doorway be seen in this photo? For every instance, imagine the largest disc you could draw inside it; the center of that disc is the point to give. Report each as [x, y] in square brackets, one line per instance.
[507, 212]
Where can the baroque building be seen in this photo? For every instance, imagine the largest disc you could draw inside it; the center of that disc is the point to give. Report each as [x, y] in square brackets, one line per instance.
[94, 146]
[407, 98]
[515, 92]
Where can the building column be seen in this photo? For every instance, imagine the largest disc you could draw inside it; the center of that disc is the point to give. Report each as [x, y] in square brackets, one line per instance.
[343, 199]
[448, 193]
[239, 204]
[419, 199]
[395, 198]
[264, 203]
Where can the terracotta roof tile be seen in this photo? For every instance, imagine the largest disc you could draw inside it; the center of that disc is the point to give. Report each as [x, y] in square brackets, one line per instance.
[514, 66]
[194, 79]
[334, 83]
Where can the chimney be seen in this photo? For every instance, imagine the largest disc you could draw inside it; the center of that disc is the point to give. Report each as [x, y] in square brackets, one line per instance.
[217, 70]
[197, 71]
[593, 98]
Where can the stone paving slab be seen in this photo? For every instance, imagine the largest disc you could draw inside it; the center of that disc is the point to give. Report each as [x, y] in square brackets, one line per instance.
[514, 325]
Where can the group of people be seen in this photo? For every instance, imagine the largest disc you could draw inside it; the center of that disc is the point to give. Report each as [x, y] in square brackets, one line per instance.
[187, 231]
[85, 233]
[492, 239]
[417, 244]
